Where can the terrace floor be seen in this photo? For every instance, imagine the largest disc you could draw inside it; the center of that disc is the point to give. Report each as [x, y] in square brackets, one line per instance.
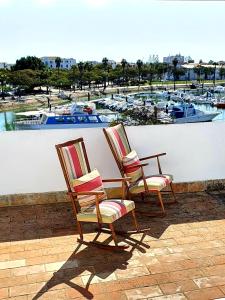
[182, 256]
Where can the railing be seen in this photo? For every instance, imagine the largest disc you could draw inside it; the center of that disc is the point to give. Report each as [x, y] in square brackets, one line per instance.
[29, 163]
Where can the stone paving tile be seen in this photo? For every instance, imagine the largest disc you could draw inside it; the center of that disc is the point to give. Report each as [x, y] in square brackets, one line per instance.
[181, 256]
[143, 293]
[179, 286]
[4, 293]
[178, 296]
[204, 294]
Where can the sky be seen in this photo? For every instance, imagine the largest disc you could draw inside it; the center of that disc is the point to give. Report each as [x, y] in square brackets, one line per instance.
[116, 29]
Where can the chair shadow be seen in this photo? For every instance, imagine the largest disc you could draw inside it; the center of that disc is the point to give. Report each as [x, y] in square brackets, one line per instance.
[24, 223]
[88, 259]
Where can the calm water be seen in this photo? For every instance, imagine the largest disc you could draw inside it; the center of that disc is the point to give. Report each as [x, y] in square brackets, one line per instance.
[209, 109]
[6, 121]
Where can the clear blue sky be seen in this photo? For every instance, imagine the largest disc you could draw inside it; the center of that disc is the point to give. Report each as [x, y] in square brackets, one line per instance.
[93, 29]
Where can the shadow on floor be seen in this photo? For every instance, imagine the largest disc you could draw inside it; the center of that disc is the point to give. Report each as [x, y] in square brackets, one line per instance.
[44, 221]
[90, 260]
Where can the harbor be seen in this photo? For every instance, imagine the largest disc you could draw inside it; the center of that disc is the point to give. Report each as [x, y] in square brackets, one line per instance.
[92, 113]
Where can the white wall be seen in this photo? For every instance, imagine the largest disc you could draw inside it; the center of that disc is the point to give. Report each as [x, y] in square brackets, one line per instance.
[29, 163]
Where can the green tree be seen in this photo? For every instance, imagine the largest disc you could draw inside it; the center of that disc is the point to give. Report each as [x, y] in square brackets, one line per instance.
[123, 64]
[45, 76]
[25, 79]
[175, 63]
[139, 64]
[29, 62]
[198, 70]
[222, 71]
[73, 76]
[3, 80]
[58, 63]
[214, 73]
[81, 73]
[105, 62]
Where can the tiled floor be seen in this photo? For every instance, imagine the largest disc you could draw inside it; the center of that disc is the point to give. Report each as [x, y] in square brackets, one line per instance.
[182, 256]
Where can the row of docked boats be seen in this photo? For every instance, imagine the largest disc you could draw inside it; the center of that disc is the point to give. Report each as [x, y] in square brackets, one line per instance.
[168, 111]
[214, 98]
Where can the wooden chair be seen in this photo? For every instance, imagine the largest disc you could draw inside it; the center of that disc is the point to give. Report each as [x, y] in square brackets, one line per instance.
[87, 194]
[130, 165]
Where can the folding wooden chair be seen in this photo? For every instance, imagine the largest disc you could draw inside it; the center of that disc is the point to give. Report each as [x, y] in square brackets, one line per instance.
[131, 165]
[87, 194]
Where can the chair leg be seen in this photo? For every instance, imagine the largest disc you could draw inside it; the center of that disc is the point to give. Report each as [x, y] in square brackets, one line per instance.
[135, 220]
[113, 233]
[128, 195]
[172, 190]
[161, 201]
[99, 227]
[79, 227]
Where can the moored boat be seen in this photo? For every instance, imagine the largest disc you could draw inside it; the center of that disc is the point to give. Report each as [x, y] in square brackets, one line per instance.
[186, 113]
[76, 116]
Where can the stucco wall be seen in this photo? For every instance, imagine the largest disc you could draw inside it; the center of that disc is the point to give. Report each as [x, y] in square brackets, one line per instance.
[29, 163]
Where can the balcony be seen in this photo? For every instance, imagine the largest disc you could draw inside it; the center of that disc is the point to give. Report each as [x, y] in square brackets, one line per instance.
[181, 256]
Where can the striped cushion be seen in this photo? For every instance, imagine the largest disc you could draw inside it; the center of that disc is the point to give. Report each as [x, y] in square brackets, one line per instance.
[74, 161]
[110, 210]
[118, 140]
[132, 160]
[88, 183]
[155, 183]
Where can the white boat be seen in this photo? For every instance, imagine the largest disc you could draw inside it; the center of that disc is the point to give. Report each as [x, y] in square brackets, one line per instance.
[76, 116]
[186, 113]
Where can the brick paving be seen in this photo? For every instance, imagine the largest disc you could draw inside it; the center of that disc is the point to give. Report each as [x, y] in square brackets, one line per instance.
[181, 256]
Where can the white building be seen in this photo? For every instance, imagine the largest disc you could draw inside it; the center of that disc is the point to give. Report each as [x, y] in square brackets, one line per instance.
[66, 63]
[169, 59]
[4, 65]
[112, 63]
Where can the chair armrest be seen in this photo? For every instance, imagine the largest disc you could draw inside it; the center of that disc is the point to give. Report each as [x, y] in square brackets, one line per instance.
[153, 156]
[137, 166]
[157, 157]
[117, 179]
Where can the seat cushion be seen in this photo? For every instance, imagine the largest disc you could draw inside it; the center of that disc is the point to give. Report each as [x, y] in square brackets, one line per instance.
[130, 164]
[155, 183]
[110, 210]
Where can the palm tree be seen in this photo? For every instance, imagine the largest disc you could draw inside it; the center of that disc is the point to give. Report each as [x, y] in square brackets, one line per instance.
[3, 78]
[44, 76]
[81, 71]
[222, 70]
[88, 68]
[139, 64]
[73, 76]
[105, 67]
[175, 63]
[123, 64]
[198, 70]
[214, 73]
[58, 63]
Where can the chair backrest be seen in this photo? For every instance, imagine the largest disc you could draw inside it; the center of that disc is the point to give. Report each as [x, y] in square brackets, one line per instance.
[74, 161]
[118, 143]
